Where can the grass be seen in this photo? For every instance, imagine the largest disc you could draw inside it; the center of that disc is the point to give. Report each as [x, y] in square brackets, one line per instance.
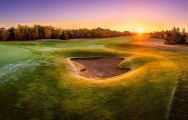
[10, 54]
[40, 85]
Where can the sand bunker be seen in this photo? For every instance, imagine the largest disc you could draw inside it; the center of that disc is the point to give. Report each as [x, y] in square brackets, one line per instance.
[101, 67]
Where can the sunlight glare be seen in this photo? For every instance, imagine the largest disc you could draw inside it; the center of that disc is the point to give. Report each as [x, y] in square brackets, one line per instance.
[140, 30]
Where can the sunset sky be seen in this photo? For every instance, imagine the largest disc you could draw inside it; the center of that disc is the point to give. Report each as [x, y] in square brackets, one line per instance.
[113, 14]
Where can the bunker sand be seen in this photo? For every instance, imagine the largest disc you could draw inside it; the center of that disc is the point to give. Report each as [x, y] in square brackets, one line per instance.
[100, 67]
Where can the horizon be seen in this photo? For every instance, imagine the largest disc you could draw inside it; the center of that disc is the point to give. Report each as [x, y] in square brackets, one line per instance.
[148, 15]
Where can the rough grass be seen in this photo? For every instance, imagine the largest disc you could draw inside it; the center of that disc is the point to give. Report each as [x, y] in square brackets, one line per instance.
[45, 88]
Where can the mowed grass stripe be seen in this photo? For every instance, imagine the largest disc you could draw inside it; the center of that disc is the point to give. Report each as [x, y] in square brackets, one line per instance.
[179, 109]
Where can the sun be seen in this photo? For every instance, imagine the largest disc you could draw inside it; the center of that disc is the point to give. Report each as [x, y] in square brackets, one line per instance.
[140, 30]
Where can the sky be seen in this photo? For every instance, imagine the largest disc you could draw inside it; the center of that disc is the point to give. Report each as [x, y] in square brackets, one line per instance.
[122, 15]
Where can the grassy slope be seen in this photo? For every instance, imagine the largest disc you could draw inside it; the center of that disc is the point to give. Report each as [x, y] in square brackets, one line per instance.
[45, 88]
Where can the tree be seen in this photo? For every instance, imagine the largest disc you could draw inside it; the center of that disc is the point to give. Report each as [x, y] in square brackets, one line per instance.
[56, 34]
[64, 35]
[174, 36]
[48, 32]
[3, 34]
[11, 33]
[35, 32]
[18, 35]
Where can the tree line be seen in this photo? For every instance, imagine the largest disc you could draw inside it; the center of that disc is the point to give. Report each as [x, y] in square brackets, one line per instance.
[36, 32]
[173, 36]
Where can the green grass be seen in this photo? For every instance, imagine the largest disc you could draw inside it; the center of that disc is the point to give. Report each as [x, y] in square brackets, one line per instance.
[37, 83]
[10, 54]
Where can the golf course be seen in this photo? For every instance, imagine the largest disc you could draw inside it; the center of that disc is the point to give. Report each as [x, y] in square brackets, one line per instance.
[72, 79]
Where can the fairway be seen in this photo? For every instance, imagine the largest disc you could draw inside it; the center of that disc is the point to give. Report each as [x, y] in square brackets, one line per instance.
[38, 83]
